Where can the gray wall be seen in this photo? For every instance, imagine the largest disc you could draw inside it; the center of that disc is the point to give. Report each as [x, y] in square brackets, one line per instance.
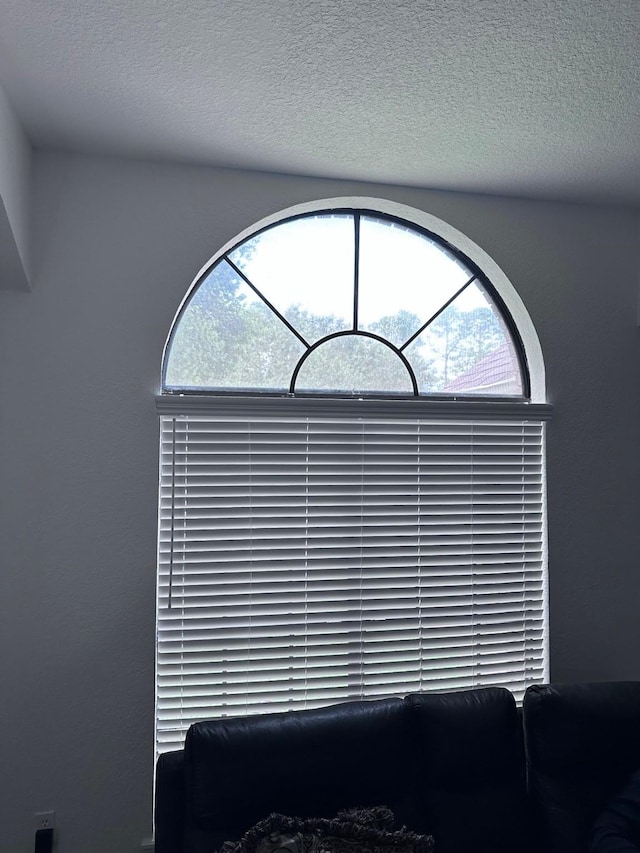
[15, 197]
[116, 244]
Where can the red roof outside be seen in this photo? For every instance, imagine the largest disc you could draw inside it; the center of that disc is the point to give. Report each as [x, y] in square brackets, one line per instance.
[496, 374]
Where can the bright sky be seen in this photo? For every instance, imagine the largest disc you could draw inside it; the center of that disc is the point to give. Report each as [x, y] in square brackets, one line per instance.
[309, 261]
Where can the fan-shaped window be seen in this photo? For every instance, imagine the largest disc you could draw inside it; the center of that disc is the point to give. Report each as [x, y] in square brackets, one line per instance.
[352, 471]
[345, 302]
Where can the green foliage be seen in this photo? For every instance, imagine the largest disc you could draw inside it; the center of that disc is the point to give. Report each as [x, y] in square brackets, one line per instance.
[228, 339]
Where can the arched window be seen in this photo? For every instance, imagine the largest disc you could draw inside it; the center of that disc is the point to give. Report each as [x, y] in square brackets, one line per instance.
[352, 471]
[345, 301]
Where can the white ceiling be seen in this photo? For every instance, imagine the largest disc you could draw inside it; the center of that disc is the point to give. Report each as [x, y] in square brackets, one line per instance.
[538, 98]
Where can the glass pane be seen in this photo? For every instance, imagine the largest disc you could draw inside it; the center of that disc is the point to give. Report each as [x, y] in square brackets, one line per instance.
[305, 270]
[226, 338]
[404, 279]
[467, 350]
[356, 365]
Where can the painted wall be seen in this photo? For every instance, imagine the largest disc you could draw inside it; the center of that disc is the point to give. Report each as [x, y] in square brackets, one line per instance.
[15, 200]
[116, 244]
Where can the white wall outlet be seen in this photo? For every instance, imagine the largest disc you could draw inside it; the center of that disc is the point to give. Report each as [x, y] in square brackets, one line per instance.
[44, 820]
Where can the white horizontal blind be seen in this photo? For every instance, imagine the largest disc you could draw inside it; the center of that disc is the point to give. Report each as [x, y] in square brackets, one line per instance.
[310, 559]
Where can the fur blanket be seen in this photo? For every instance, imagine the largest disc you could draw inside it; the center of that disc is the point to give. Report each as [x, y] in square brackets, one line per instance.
[351, 831]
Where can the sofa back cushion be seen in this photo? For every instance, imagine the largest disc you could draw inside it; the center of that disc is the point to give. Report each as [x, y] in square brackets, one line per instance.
[303, 763]
[583, 742]
[471, 777]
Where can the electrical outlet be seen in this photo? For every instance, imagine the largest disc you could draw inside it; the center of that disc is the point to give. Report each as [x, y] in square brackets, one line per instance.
[44, 820]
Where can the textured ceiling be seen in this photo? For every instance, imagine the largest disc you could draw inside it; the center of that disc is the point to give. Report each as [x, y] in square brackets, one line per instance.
[538, 98]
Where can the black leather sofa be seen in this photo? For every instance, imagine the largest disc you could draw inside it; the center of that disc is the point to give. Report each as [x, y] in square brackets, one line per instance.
[469, 767]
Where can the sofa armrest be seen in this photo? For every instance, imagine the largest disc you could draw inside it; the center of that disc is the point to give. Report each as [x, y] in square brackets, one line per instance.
[582, 742]
[170, 802]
